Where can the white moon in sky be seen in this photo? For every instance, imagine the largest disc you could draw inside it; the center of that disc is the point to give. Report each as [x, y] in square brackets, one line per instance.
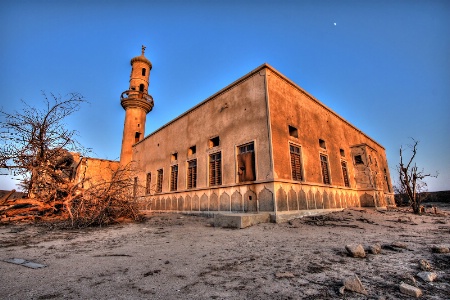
[334, 24]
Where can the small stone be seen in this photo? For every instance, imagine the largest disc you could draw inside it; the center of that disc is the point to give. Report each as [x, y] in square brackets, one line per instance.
[409, 279]
[399, 245]
[425, 265]
[284, 275]
[427, 276]
[356, 250]
[440, 249]
[410, 290]
[353, 284]
[375, 249]
[341, 290]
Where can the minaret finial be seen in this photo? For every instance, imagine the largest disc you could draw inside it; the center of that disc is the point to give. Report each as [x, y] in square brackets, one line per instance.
[143, 49]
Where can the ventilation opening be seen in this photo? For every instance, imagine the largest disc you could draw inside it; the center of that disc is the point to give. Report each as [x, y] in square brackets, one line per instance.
[293, 131]
[358, 160]
[322, 144]
[174, 156]
[214, 142]
[342, 152]
[143, 71]
[192, 150]
[137, 135]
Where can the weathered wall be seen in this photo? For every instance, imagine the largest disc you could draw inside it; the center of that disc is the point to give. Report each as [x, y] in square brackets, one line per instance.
[289, 105]
[94, 170]
[237, 114]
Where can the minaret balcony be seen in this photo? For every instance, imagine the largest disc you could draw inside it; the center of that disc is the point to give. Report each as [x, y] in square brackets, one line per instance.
[132, 98]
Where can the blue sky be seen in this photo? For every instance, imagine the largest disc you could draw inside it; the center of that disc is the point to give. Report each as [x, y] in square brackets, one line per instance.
[384, 66]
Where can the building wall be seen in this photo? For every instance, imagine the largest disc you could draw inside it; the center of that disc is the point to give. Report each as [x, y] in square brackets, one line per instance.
[259, 107]
[236, 114]
[291, 106]
[92, 171]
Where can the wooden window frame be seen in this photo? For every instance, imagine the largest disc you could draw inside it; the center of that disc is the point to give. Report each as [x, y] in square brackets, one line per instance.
[324, 166]
[296, 162]
[148, 183]
[345, 173]
[174, 178]
[246, 162]
[159, 180]
[215, 169]
[192, 174]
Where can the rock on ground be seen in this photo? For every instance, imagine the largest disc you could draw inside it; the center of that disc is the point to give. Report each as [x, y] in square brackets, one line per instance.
[353, 284]
[356, 250]
[427, 276]
[410, 290]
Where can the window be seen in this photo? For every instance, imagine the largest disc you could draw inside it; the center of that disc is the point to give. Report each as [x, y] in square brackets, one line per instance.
[215, 172]
[192, 150]
[358, 160]
[322, 144]
[345, 173]
[246, 162]
[137, 135]
[173, 177]
[386, 179]
[192, 174]
[370, 159]
[296, 163]
[148, 183]
[342, 152]
[214, 142]
[293, 131]
[141, 87]
[325, 171]
[135, 187]
[174, 156]
[159, 181]
[143, 71]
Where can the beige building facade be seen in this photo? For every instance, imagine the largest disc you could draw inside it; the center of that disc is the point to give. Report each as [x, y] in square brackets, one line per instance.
[261, 144]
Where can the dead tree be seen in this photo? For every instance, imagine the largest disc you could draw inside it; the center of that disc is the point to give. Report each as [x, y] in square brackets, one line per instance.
[36, 146]
[412, 182]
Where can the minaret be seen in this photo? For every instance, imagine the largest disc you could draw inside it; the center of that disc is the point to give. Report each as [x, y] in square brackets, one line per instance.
[137, 104]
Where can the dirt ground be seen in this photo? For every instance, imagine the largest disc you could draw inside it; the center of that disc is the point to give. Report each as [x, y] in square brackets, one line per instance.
[174, 256]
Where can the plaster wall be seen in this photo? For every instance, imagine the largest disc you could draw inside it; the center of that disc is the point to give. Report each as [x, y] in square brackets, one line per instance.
[290, 105]
[237, 115]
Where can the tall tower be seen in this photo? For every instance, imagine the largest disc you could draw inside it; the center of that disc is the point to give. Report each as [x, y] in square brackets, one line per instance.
[137, 104]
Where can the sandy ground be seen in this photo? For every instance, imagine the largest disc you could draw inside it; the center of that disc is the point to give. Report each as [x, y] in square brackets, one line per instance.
[174, 256]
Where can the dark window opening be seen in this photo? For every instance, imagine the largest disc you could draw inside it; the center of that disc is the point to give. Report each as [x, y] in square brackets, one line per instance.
[322, 144]
[345, 173]
[293, 131]
[174, 178]
[192, 150]
[358, 160]
[325, 171]
[296, 163]
[143, 71]
[215, 169]
[141, 87]
[148, 183]
[159, 181]
[214, 142]
[135, 186]
[342, 152]
[174, 156]
[246, 162]
[370, 159]
[192, 174]
[133, 88]
[386, 179]
[137, 135]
